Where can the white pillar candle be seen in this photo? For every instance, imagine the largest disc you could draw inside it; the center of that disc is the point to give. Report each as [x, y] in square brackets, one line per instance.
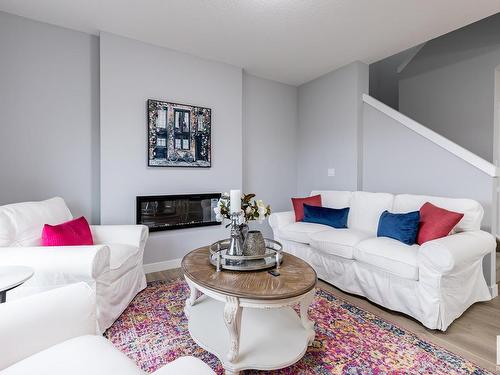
[235, 197]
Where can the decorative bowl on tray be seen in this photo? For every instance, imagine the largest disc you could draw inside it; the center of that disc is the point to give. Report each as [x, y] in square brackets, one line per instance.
[219, 258]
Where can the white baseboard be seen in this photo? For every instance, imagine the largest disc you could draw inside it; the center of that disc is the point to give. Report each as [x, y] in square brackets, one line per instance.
[493, 290]
[162, 266]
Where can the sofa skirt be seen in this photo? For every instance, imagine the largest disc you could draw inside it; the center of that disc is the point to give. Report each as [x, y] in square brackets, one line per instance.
[434, 300]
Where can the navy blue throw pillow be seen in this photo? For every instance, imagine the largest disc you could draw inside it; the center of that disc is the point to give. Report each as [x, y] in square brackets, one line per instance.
[401, 227]
[334, 217]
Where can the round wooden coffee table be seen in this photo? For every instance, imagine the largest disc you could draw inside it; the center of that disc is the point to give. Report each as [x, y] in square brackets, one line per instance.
[270, 335]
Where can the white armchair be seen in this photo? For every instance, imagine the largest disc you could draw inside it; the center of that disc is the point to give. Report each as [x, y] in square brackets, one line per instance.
[112, 267]
[53, 333]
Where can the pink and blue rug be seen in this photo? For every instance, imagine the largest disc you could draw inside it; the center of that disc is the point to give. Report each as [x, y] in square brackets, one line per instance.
[153, 331]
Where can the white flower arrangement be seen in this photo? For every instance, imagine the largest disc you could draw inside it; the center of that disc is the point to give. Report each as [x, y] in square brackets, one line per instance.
[251, 208]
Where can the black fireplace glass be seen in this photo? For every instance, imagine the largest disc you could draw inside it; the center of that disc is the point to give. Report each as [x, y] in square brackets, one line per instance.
[164, 212]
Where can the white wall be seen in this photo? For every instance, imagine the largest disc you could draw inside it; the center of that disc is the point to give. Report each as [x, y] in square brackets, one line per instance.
[330, 130]
[270, 122]
[450, 85]
[49, 115]
[131, 73]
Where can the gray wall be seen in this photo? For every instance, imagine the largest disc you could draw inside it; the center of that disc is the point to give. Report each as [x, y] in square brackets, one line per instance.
[398, 160]
[496, 117]
[270, 122]
[55, 72]
[131, 73]
[269, 138]
[49, 115]
[384, 77]
[450, 85]
[330, 129]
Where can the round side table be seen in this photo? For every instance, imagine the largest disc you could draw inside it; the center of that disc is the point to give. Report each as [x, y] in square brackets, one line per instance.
[246, 318]
[11, 277]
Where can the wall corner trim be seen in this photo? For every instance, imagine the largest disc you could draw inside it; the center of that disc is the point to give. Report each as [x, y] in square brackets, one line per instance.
[457, 150]
[162, 266]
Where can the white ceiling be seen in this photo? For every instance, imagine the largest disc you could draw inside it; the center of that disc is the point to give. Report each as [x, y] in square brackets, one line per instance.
[291, 41]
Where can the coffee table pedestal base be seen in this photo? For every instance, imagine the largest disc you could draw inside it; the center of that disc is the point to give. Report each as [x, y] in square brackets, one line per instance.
[268, 338]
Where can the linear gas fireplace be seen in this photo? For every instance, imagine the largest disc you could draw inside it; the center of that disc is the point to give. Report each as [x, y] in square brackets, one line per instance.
[164, 212]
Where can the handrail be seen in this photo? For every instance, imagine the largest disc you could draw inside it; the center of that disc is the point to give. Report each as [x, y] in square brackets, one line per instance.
[434, 137]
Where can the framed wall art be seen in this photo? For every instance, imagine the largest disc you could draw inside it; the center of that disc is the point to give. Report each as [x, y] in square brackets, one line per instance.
[179, 135]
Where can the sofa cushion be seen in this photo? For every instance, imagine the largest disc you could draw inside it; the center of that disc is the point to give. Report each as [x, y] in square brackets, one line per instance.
[7, 231]
[21, 223]
[82, 355]
[389, 255]
[300, 231]
[333, 198]
[366, 209]
[472, 210]
[340, 242]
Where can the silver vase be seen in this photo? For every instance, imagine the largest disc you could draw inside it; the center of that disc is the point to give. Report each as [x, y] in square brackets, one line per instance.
[236, 242]
[254, 243]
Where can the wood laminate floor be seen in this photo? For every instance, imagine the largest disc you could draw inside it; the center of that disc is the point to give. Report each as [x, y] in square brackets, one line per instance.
[472, 336]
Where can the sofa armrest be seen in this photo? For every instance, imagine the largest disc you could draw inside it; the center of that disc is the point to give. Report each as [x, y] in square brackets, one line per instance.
[37, 322]
[134, 235]
[278, 220]
[185, 365]
[55, 263]
[453, 252]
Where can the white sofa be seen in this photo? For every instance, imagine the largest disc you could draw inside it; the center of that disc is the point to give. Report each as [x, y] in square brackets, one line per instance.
[434, 283]
[53, 333]
[112, 267]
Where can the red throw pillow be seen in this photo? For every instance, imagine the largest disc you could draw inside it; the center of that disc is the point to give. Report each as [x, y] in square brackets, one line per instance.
[298, 205]
[436, 222]
[71, 233]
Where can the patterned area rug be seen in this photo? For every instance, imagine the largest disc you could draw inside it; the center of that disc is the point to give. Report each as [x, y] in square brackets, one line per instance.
[153, 331]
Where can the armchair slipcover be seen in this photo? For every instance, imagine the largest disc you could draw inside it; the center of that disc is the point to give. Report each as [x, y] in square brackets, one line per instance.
[53, 333]
[112, 267]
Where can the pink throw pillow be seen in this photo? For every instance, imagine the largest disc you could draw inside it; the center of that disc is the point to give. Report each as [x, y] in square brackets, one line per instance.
[71, 233]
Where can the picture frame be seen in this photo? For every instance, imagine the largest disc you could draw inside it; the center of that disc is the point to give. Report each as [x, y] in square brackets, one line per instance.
[179, 135]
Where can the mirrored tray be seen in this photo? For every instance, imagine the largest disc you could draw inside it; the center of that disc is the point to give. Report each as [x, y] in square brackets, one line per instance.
[221, 260]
